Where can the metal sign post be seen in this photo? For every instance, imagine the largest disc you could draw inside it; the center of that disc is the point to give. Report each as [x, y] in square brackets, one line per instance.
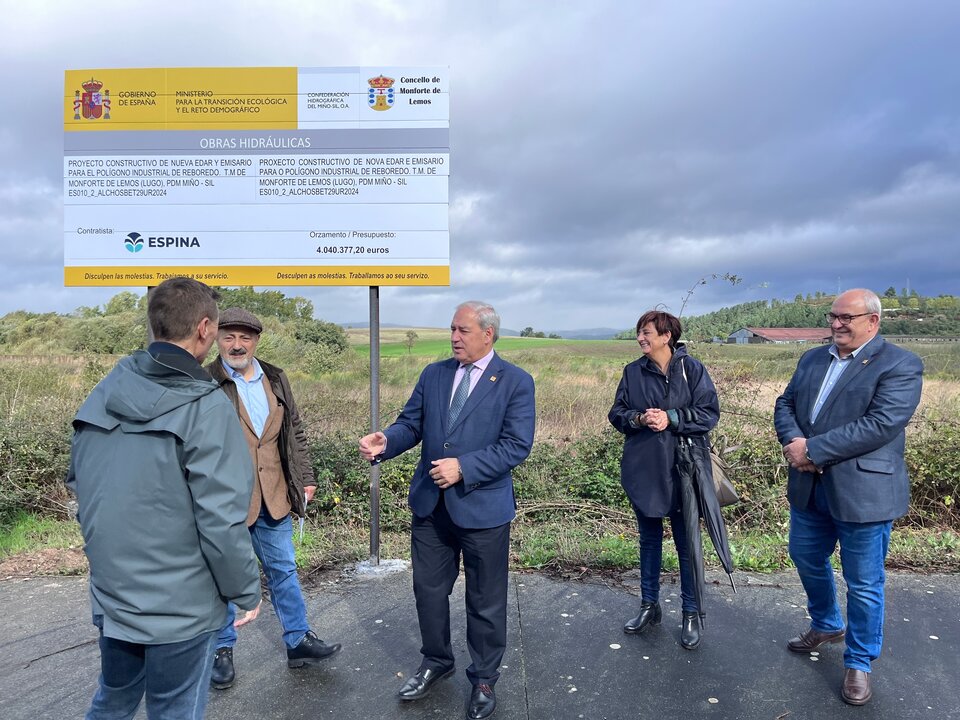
[374, 422]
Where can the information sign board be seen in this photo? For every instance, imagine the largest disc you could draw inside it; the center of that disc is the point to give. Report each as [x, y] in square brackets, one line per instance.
[256, 176]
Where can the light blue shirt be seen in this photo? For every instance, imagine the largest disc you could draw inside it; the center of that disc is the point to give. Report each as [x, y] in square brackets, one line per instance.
[479, 368]
[837, 366]
[252, 394]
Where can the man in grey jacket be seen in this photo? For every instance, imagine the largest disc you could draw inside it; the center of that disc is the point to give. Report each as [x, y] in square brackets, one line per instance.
[163, 481]
[841, 421]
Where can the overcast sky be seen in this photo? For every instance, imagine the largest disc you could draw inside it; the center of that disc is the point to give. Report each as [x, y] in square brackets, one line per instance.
[604, 155]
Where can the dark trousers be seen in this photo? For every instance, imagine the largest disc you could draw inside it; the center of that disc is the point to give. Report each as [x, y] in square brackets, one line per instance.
[436, 546]
[651, 558]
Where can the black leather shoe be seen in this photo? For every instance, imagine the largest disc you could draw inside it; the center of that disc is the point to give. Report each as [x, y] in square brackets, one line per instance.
[812, 639]
[310, 650]
[483, 701]
[690, 631]
[650, 614]
[223, 675]
[420, 684]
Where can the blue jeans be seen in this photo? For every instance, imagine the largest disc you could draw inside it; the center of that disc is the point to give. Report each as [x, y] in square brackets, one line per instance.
[273, 544]
[863, 547]
[651, 558]
[174, 676]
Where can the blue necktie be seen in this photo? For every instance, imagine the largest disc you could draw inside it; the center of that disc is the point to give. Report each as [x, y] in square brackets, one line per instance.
[460, 396]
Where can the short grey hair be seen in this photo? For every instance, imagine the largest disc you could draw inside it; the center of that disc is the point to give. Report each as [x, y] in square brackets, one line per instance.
[486, 316]
[871, 301]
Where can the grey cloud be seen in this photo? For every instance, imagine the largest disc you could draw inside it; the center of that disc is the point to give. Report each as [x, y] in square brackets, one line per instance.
[605, 155]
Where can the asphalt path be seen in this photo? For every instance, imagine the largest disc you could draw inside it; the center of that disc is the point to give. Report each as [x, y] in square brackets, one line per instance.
[567, 656]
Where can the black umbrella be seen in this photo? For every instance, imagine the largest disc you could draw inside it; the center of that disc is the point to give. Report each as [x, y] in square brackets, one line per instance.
[698, 500]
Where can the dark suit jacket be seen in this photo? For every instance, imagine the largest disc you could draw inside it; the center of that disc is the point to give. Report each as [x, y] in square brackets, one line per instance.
[648, 468]
[492, 435]
[858, 438]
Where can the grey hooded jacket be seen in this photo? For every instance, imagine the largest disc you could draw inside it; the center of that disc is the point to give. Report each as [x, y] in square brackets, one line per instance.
[163, 479]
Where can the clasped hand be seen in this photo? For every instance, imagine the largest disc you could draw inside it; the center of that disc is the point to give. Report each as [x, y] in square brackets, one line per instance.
[445, 472]
[655, 419]
[795, 453]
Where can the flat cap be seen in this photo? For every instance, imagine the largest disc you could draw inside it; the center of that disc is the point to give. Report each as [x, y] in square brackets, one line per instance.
[238, 317]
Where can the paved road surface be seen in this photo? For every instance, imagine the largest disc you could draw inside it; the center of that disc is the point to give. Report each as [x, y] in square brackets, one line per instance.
[567, 656]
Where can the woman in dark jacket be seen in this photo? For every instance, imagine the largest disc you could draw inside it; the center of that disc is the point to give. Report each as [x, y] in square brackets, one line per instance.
[650, 393]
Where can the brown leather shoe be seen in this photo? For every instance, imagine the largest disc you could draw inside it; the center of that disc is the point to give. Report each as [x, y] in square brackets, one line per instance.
[856, 687]
[813, 639]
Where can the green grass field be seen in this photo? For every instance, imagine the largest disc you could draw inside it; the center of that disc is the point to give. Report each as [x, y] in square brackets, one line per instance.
[433, 348]
[771, 362]
[572, 510]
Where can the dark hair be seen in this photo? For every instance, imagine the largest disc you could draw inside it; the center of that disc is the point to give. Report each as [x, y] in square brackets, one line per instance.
[663, 322]
[176, 306]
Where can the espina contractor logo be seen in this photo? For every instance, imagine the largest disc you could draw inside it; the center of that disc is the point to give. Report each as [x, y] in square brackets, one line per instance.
[134, 243]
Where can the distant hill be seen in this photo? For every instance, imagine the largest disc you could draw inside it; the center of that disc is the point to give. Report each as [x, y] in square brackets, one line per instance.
[903, 314]
[504, 332]
[366, 324]
[585, 334]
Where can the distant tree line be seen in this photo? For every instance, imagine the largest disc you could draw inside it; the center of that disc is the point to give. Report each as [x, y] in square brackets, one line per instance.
[904, 313]
[530, 332]
[291, 334]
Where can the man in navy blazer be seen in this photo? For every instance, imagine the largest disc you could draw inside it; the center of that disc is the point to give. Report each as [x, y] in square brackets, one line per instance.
[841, 422]
[474, 417]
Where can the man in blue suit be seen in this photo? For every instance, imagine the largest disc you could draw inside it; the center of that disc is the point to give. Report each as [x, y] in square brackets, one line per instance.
[841, 422]
[474, 415]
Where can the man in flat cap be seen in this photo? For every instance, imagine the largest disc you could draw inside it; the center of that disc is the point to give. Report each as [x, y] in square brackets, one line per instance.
[283, 483]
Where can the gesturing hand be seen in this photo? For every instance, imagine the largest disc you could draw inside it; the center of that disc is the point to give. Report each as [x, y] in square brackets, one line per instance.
[372, 445]
[248, 616]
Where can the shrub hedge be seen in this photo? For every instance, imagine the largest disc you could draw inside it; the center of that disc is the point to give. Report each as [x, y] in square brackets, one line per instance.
[37, 405]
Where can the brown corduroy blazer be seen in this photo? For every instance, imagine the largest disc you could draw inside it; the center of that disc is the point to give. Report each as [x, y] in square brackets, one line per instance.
[286, 456]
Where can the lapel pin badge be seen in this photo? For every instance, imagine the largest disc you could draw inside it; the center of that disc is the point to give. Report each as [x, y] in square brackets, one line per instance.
[866, 361]
[493, 378]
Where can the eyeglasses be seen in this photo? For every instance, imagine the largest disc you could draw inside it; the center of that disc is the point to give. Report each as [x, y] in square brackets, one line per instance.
[844, 319]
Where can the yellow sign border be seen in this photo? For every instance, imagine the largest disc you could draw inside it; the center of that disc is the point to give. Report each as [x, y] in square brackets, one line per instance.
[332, 275]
